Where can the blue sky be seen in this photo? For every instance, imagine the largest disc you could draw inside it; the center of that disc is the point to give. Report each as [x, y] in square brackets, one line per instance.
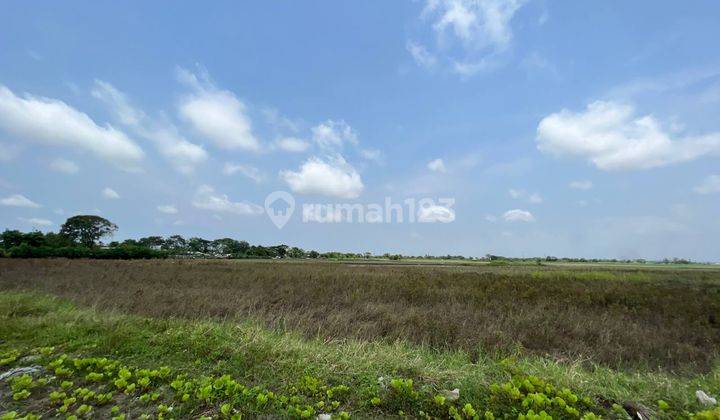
[558, 128]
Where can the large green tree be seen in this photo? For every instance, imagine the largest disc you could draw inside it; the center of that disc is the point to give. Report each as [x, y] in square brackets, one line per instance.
[87, 229]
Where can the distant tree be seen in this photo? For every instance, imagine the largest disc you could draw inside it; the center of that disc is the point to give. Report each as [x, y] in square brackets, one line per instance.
[198, 245]
[259, 251]
[296, 252]
[280, 250]
[229, 246]
[87, 229]
[154, 242]
[242, 247]
[11, 238]
[175, 243]
[313, 254]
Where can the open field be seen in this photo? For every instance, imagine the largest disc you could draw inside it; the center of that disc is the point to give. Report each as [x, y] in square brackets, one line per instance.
[619, 335]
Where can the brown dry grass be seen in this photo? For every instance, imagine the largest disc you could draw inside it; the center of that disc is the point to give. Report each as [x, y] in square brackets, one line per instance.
[650, 319]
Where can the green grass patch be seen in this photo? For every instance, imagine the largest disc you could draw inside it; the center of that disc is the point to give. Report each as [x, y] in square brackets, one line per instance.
[265, 372]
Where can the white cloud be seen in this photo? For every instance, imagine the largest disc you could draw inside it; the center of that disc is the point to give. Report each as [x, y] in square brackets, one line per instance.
[477, 24]
[216, 114]
[482, 28]
[517, 215]
[332, 135]
[292, 144]
[34, 221]
[182, 154]
[108, 94]
[54, 122]
[468, 68]
[581, 185]
[710, 185]
[437, 165]
[64, 166]
[436, 213]
[534, 198]
[335, 178]
[207, 199]
[515, 193]
[247, 170]
[421, 55]
[279, 122]
[610, 136]
[18, 200]
[110, 194]
[167, 209]
[373, 155]
[491, 218]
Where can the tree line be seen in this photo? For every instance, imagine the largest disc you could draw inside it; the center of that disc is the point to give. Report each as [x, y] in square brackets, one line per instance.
[81, 237]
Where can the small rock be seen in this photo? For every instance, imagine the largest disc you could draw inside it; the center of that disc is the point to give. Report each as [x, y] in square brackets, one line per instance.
[324, 417]
[704, 398]
[28, 359]
[19, 371]
[638, 411]
[451, 395]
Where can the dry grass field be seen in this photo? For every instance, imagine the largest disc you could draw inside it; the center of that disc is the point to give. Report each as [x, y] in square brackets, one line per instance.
[628, 318]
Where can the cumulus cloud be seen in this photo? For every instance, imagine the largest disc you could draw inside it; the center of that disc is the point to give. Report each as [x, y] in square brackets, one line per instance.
[247, 170]
[421, 55]
[34, 221]
[517, 215]
[476, 23]
[207, 199]
[53, 122]
[710, 185]
[334, 178]
[183, 155]
[482, 28]
[611, 137]
[216, 114]
[332, 135]
[64, 166]
[110, 194]
[581, 185]
[18, 200]
[292, 144]
[167, 209]
[437, 165]
[436, 213]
